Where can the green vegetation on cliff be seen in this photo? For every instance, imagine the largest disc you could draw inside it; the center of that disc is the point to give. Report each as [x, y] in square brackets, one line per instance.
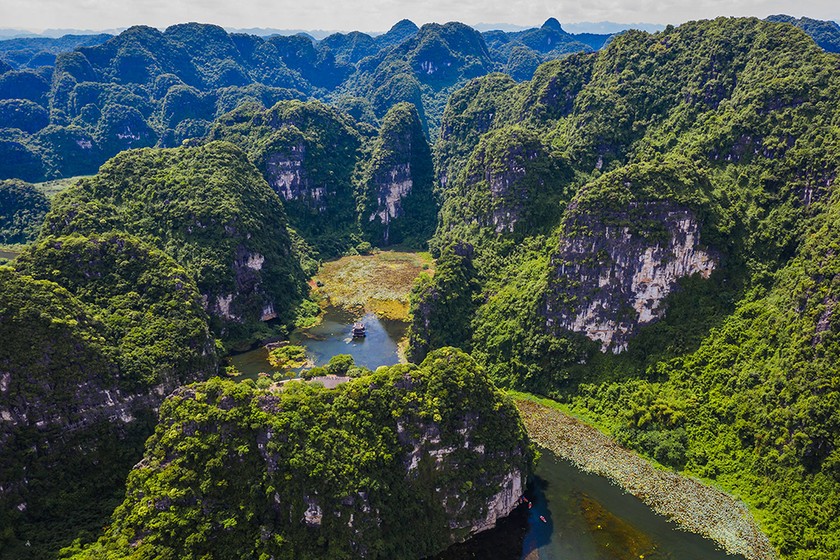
[22, 210]
[691, 245]
[748, 162]
[149, 306]
[211, 211]
[396, 464]
[646, 233]
[69, 104]
[422, 70]
[511, 184]
[442, 305]
[147, 87]
[397, 203]
[756, 406]
[340, 182]
[307, 152]
[48, 334]
[95, 332]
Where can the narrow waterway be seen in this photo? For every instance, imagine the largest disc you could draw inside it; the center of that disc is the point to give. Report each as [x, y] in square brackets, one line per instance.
[586, 517]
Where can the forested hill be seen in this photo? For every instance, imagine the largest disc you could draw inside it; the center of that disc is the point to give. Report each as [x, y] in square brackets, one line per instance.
[825, 33]
[65, 114]
[40, 52]
[648, 233]
[68, 104]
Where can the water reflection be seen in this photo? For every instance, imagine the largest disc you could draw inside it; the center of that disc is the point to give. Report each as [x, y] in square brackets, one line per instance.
[332, 337]
[586, 518]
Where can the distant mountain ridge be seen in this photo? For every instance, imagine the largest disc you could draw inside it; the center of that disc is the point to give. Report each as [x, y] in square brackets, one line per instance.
[607, 27]
[68, 104]
[35, 52]
[825, 33]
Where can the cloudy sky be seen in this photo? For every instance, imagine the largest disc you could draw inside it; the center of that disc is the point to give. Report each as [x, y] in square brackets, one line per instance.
[379, 15]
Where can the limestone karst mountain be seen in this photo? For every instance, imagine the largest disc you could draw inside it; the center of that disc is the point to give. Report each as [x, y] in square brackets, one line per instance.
[646, 232]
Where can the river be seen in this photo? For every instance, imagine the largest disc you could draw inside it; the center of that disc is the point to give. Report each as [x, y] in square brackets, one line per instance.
[586, 516]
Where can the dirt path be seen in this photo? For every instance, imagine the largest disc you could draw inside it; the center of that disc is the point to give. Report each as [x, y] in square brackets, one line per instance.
[694, 506]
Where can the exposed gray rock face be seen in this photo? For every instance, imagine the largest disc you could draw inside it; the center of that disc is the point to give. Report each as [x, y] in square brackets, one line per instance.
[502, 174]
[248, 298]
[503, 503]
[398, 464]
[71, 389]
[250, 292]
[609, 279]
[397, 182]
[91, 403]
[286, 173]
[313, 514]
[445, 458]
[391, 194]
[512, 185]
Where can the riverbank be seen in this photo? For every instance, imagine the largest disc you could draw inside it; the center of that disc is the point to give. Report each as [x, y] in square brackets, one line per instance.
[694, 506]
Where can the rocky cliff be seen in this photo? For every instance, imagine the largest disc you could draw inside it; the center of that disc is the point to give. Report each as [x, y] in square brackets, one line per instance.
[398, 464]
[511, 186]
[398, 203]
[341, 180]
[210, 210]
[697, 252]
[84, 365]
[307, 152]
[610, 278]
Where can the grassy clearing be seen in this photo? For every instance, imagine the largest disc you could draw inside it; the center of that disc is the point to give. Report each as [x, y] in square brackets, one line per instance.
[52, 188]
[9, 252]
[378, 283]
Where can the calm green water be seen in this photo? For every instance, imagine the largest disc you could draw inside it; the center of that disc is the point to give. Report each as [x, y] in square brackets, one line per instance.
[332, 337]
[587, 517]
[7, 255]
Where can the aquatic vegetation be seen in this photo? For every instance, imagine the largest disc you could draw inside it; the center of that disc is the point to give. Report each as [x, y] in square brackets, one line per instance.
[378, 283]
[616, 538]
[697, 507]
[287, 357]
